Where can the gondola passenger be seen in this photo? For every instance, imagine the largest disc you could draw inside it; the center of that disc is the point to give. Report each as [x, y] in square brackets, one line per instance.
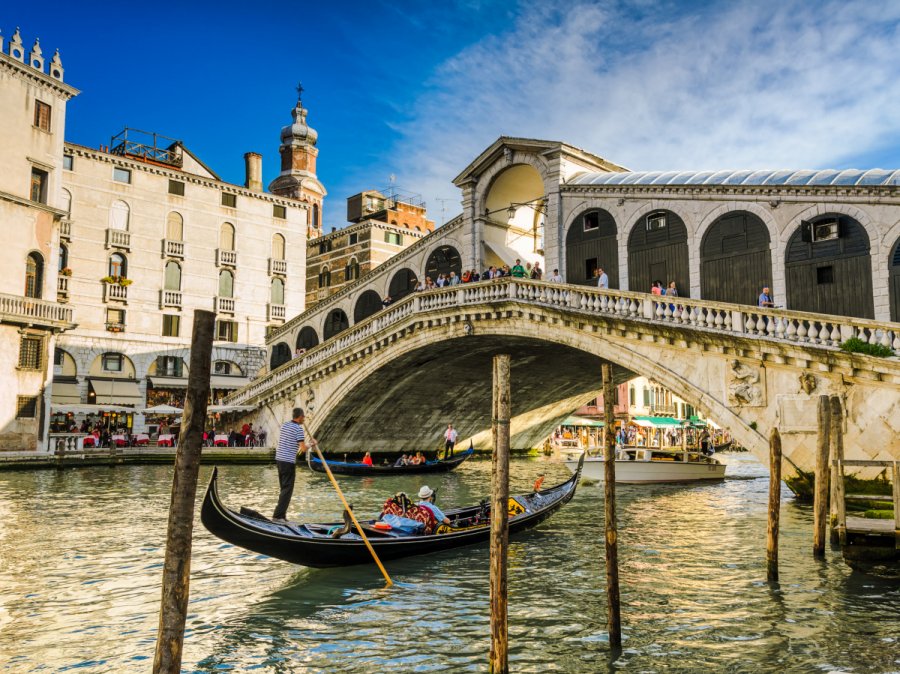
[425, 497]
[401, 461]
[367, 459]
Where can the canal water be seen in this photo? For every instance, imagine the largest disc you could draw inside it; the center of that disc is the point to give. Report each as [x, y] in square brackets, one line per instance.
[81, 552]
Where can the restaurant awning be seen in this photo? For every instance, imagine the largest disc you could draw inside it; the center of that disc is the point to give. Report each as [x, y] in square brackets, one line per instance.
[87, 409]
[118, 392]
[163, 410]
[582, 421]
[64, 393]
[220, 382]
[167, 382]
[656, 422]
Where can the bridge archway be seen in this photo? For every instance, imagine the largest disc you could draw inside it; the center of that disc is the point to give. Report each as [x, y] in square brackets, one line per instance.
[658, 251]
[828, 267]
[894, 281]
[518, 184]
[591, 244]
[443, 260]
[402, 284]
[335, 323]
[307, 338]
[735, 259]
[368, 304]
[281, 354]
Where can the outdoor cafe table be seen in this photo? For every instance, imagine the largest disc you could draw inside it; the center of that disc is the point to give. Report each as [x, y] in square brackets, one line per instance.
[142, 437]
[120, 439]
[170, 439]
[220, 438]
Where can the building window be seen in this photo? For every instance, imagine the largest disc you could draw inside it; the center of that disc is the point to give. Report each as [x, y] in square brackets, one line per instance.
[226, 283]
[277, 295]
[324, 247]
[63, 257]
[825, 275]
[170, 366]
[590, 268]
[393, 237]
[173, 276]
[174, 227]
[121, 175]
[39, 185]
[119, 216]
[227, 331]
[222, 368]
[354, 239]
[278, 247]
[171, 325]
[68, 162]
[58, 357]
[279, 212]
[176, 188]
[115, 318]
[112, 362]
[315, 216]
[118, 265]
[26, 407]
[42, 116]
[656, 221]
[324, 279]
[591, 221]
[30, 353]
[34, 272]
[226, 236]
[646, 397]
[229, 200]
[825, 230]
[351, 271]
[631, 395]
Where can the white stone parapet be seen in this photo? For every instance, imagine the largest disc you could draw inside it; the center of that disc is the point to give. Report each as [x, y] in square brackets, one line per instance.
[19, 309]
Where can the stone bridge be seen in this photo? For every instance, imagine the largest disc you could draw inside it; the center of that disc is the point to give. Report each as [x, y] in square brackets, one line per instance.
[394, 380]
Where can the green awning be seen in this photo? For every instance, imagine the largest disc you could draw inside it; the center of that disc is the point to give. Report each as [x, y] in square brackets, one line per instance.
[657, 422]
[581, 421]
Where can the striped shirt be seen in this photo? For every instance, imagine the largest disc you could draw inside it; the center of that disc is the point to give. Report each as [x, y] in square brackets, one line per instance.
[291, 434]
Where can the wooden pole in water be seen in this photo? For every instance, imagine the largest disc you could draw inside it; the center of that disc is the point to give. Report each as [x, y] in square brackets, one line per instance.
[499, 518]
[774, 506]
[820, 499]
[612, 543]
[177, 566]
[837, 454]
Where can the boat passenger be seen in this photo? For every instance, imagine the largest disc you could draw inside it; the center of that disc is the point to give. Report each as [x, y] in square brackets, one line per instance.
[425, 496]
[401, 461]
[420, 459]
[367, 459]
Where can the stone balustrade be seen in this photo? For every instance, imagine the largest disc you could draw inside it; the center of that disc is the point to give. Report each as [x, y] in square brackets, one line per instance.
[277, 266]
[224, 305]
[15, 308]
[65, 230]
[66, 442]
[226, 258]
[173, 248]
[171, 298]
[62, 284]
[115, 292]
[116, 238]
[276, 312]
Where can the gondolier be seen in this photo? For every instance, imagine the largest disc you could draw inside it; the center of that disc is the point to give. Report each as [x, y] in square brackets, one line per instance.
[450, 436]
[291, 441]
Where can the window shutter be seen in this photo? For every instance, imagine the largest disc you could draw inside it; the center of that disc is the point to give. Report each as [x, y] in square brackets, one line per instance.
[160, 365]
[179, 366]
[646, 397]
[805, 231]
[174, 227]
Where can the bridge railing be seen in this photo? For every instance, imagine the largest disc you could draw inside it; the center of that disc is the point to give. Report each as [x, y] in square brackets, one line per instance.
[794, 326]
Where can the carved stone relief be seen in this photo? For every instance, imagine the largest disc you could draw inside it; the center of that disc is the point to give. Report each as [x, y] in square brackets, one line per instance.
[745, 384]
[808, 382]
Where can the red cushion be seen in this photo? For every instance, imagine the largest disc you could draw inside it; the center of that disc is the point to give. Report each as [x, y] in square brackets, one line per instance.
[423, 515]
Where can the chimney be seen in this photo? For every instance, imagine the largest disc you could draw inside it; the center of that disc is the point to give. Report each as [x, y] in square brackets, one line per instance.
[333, 230]
[253, 163]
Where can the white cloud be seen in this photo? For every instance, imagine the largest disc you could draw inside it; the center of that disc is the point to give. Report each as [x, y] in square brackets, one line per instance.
[751, 85]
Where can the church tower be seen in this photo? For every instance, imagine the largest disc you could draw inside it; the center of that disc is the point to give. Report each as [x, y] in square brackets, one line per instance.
[297, 179]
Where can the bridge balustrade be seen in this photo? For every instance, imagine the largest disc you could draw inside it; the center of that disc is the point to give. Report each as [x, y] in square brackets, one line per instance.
[793, 326]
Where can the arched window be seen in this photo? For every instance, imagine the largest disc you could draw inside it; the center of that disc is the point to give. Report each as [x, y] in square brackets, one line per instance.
[226, 236]
[418, 229]
[226, 283]
[369, 303]
[336, 322]
[308, 338]
[281, 354]
[174, 227]
[66, 202]
[119, 215]
[351, 271]
[34, 272]
[278, 247]
[173, 276]
[118, 265]
[324, 278]
[315, 216]
[63, 257]
[277, 291]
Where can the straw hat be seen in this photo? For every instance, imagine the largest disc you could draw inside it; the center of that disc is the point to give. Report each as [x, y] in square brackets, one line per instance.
[425, 493]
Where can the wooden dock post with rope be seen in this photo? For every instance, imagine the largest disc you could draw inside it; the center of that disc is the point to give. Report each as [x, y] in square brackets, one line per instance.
[823, 447]
[612, 543]
[774, 506]
[499, 654]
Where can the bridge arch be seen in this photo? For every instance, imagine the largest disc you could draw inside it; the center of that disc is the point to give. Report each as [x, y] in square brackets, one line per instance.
[307, 338]
[367, 304]
[592, 243]
[828, 267]
[443, 260]
[281, 354]
[735, 259]
[335, 322]
[894, 280]
[658, 250]
[403, 283]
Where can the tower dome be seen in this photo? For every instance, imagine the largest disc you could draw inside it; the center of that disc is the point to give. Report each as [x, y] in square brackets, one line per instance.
[298, 131]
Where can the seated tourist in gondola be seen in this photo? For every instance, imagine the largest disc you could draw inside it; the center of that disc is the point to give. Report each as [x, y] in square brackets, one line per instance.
[367, 459]
[402, 461]
[425, 497]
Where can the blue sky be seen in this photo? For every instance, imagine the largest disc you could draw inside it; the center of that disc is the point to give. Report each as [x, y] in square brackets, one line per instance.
[419, 89]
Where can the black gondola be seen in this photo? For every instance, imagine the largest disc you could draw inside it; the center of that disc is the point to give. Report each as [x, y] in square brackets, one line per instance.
[441, 466]
[310, 544]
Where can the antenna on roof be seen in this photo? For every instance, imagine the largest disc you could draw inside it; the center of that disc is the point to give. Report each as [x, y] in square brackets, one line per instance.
[443, 209]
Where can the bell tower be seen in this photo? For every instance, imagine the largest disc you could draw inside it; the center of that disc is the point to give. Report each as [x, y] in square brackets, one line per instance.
[297, 179]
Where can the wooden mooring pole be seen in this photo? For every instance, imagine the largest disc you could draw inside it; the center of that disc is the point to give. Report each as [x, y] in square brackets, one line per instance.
[774, 506]
[499, 517]
[612, 543]
[176, 575]
[820, 502]
[837, 472]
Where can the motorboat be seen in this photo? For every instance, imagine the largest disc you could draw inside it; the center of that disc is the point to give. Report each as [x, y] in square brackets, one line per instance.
[642, 465]
[566, 448]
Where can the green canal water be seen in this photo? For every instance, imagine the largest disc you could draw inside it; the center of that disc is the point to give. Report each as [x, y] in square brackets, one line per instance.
[81, 552]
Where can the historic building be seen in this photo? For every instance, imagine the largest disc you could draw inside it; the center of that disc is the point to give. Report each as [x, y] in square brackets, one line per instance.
[33, 100]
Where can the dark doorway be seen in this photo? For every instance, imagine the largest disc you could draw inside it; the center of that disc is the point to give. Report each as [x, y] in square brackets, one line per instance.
[281, 354]
[591, 244]
[403, 283]
[307, 339]
[735, 260]
[442, 261]
[368, 304]
[894, 281]
[335, 323]
[658, 251]
[828, 268]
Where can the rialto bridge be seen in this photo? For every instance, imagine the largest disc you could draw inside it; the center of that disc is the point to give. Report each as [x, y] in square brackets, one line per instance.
[826, 243]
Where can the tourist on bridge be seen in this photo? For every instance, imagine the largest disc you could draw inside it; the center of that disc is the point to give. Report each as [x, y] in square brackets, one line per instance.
[671, 292]
[387, 301]
[450, 436]
[291, 441]
[454, 279]
[518, 271]
[602, 279]
[657, 288]
[425, 497]
[536, 272]
[556, 278]
[765, 299]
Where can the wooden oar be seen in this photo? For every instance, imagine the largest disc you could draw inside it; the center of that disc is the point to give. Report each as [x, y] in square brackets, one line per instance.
[347, 507]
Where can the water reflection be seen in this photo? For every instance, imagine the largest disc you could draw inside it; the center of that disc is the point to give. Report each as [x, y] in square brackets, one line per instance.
[81, 555]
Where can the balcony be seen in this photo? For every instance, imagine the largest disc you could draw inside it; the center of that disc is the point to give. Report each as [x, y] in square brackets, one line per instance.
[277, 267]
[117, 238]
[662, 410]
[62, 288]
[226, 258]
[173, 248]
[224, 305]
[113, 292]
[65, 230]
[321, 294]
[170, 298]
[29, 311]
[276, 312]
[115, 327]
